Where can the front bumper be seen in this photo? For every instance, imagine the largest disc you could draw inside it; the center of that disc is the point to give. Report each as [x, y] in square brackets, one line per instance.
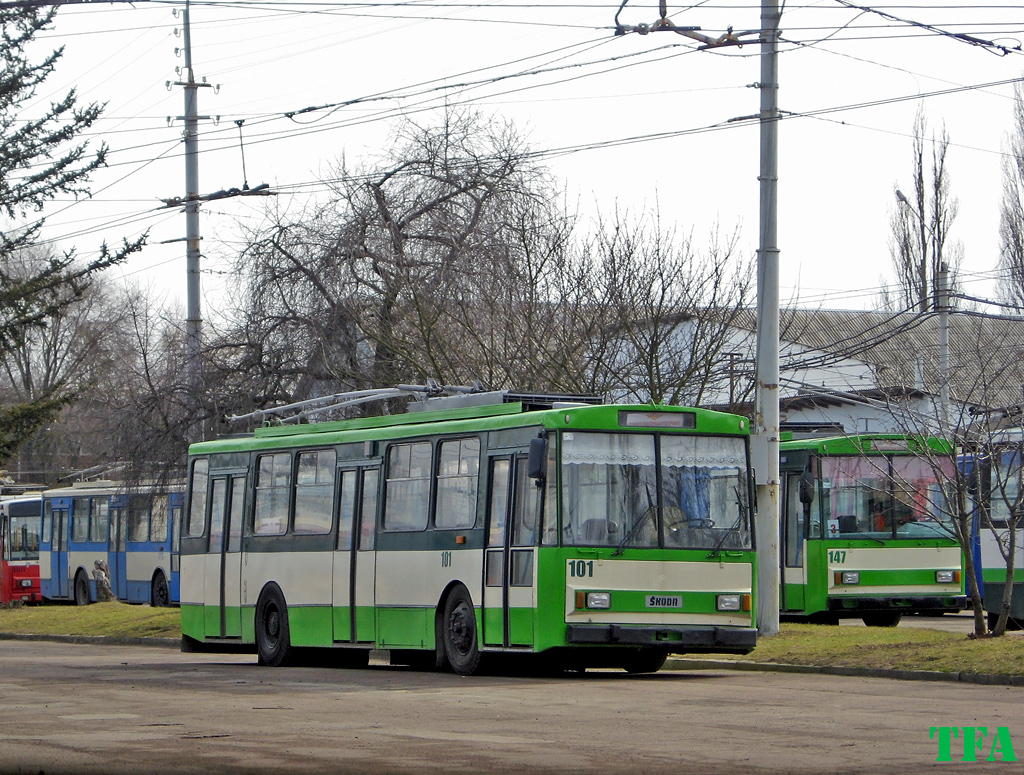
[679, 639]
[906, 604]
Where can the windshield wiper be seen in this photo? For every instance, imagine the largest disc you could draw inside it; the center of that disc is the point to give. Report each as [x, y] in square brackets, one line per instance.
[733, 529]
[636, 524]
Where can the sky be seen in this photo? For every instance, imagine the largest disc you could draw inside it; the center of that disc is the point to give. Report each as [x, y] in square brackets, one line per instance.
[658, 110]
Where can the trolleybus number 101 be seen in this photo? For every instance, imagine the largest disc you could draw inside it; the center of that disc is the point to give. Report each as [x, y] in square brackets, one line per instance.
[837, 555]
[446, 559]
[581, 569]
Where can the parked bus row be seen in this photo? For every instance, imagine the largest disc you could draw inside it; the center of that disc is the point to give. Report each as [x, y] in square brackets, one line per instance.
[509, 523]
[63, 544]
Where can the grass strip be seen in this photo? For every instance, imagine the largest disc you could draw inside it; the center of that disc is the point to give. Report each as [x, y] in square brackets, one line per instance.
[901, 648]
[111, 619]
[898, 648]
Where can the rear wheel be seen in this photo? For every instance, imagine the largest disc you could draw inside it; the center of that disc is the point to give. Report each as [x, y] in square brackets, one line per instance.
[883, 619]
[160, 596]
[273, 641]
[82, 595]
[645, 661]
[458, 627]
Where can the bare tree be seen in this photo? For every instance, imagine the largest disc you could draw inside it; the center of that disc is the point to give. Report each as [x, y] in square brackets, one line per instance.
[672, 308]
[449, 257]
[921, 222]
[1011, 214]
[982, 494]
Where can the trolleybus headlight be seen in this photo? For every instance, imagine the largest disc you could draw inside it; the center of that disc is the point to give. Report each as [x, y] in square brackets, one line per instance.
[947, 576]
[728, 602]
[847, 577]
[599, 600]
[25, 582]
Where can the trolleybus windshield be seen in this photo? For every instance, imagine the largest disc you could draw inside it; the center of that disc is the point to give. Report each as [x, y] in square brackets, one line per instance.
[883, 498]
[26, 523]
[647, 490]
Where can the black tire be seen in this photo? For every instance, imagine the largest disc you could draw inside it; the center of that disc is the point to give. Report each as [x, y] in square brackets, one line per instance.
[882, 619]
[458, 633]
[273, 640]
[644, 661]
[160, 595]
[83, 596]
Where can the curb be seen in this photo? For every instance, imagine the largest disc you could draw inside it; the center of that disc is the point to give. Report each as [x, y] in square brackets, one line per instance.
[96, 640]
[986, 679]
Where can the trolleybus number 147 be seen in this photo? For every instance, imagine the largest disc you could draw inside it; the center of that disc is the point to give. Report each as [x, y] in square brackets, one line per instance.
[837, 555]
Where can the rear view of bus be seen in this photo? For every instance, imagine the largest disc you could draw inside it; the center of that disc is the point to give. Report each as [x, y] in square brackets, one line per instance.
[20, 529]
[594, 535]
[866, 531]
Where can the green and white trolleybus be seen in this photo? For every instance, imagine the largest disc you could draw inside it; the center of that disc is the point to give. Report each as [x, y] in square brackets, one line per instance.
[600, 535]
[865, 529]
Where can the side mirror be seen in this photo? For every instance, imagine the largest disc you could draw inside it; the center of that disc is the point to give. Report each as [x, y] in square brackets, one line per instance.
[806, 487]
[537, 463]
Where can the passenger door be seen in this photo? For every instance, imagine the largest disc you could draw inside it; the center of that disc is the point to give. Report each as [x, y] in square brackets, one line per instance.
[117, 554]
[795, 515]
[355, 558]
[59, 554]
[223, 591]
[509, 559]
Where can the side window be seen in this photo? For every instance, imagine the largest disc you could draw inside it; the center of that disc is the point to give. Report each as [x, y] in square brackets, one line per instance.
[346, 509]
[158, 525]
[549, 533]
[527, 508]
[314, 492]
[80, 520]
[407, 488]
[197, 503]
[138, 517]
[99, 524]
[175, 528]
[368, 510]
[273, 483]
[220, 492]
[47, 520]
[458, 473]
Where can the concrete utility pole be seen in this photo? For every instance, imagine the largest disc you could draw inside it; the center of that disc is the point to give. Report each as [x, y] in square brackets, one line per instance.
[193, 320]
[767, 534]
[942, 302]
[765, 441]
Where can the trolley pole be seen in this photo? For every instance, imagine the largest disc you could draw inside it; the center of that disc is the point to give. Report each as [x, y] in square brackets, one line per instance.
[767, 533]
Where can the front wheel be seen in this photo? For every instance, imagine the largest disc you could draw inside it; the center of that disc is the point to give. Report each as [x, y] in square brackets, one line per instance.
[884, 619]
[458, 632]
[82, 595]
[273, 641]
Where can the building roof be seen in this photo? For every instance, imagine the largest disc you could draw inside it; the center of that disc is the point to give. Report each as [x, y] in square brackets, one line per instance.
[986, 353]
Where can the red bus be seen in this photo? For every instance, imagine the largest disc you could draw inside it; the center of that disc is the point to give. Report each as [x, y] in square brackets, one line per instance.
[21, 523]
